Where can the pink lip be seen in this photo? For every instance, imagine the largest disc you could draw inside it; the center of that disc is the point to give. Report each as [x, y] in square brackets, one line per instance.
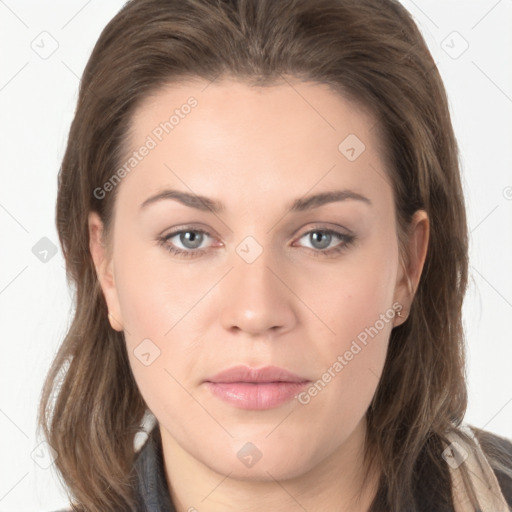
[255, 388]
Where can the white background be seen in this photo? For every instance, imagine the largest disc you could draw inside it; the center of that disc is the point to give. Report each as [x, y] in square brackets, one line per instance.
[37, 101]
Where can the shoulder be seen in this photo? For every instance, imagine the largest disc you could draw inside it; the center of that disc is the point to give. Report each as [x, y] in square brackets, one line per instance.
[498, 451]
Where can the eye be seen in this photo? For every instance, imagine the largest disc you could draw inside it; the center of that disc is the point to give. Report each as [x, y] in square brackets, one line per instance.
[190, 239]
[326, 240]
[195, 242]
[186, 242]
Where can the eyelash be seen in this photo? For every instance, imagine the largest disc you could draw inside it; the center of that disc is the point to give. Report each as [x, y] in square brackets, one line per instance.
[347, 241]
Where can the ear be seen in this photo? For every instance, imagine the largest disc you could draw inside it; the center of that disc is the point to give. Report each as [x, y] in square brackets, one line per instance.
[412, 263]
[103, 263]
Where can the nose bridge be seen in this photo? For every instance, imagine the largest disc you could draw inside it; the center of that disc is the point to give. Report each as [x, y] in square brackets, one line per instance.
[256, 300]
[252, 277]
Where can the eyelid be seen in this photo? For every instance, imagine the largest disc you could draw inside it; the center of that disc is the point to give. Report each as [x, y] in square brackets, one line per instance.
[331, 225]
[326, 227]
[189, 227]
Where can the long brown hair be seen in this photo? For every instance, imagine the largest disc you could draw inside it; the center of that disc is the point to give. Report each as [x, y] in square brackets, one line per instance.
[371, 52]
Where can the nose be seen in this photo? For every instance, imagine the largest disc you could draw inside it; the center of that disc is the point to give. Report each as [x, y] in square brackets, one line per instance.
[257, 300]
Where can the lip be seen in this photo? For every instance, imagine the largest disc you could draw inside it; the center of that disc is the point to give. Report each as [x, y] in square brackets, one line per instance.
[255, 388]
[243, 373]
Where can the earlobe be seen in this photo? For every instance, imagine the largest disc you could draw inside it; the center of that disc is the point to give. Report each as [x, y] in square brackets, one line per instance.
[104, 269]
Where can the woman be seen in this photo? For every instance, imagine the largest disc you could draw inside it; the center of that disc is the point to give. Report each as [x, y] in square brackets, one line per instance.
[260, 207]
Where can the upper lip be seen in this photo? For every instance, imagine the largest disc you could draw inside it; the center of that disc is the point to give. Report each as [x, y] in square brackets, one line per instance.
[247, 374]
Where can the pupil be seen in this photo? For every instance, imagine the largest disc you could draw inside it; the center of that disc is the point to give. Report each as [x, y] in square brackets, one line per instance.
[320, 240]
[191, 239]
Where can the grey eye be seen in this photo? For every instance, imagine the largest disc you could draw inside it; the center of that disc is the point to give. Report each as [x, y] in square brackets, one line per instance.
[320, 239]
[191, 239]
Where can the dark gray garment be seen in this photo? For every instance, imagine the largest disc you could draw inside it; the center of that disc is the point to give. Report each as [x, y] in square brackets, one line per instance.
[154, 495]
[152, 490]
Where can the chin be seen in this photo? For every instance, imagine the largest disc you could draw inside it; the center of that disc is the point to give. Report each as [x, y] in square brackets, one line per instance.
[264, 460]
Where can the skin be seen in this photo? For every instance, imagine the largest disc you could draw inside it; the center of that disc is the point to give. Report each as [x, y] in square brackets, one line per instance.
[257, 150]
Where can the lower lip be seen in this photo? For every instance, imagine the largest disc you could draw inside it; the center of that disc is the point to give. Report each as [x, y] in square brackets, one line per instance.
[256, 396]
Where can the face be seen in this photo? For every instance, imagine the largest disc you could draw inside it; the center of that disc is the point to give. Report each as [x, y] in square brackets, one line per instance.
[256, 230]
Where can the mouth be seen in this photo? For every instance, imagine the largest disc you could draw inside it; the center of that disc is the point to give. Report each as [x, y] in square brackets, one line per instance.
[255, 388]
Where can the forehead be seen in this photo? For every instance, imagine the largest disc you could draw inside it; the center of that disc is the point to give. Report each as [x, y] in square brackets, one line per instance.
[228, 136]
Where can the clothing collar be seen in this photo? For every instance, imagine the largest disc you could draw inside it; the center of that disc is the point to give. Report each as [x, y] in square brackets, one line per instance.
[152, 489]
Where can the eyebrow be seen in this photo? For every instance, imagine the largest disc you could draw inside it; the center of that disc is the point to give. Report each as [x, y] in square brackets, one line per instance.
[191, 200]
[204, 203]
[309, 202]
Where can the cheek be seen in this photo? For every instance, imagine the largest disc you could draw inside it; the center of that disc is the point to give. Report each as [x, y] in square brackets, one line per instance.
[154, 306]
[160, 304]
[154, 295]
[352, 294]
[356, 301]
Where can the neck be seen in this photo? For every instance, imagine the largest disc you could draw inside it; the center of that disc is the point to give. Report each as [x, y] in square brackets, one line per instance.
[333, 484]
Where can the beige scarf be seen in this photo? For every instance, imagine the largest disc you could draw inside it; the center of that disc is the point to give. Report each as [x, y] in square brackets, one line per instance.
[488, 492]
